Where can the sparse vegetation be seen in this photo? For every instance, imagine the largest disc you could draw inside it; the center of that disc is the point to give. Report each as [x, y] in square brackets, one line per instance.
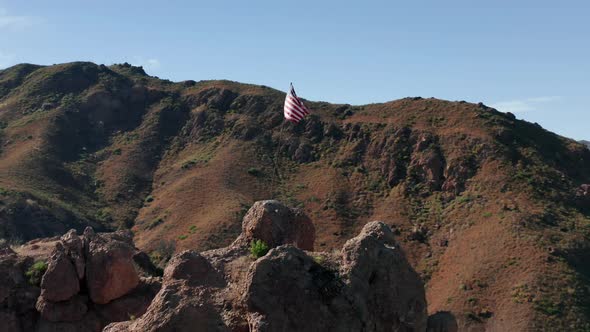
[104, 215]
[258, 248]
[254, 171]
[548, 307]
[36, 272]
[158, 221]
[162, 253]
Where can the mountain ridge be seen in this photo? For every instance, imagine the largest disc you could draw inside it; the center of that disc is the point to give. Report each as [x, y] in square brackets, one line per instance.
[469, 191]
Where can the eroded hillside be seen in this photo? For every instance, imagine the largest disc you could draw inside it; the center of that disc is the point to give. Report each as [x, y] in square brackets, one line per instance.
[493, 212]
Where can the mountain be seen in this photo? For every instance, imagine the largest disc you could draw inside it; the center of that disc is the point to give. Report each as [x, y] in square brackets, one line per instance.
[587, 143]
[493, 212]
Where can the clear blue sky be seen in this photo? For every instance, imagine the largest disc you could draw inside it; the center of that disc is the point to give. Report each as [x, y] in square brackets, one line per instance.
[528, 57]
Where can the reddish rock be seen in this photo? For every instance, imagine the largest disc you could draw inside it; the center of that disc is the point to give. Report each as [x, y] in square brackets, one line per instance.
[71, 310]
[190, 266]
[102, 259]
[386, 290]
[131, 305]
[60, 281]
[276, 224]
[110, 272]
[75, 250]
[288, 291]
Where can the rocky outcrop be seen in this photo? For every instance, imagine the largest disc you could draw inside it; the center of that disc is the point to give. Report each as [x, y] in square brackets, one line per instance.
[276, 224]
[109, 265]
[367, 286]
[60, 282]
[90, 281]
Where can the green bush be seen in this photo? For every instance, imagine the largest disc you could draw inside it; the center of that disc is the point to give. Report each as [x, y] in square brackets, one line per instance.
[258, 248]
[254, 171]
[36, 272]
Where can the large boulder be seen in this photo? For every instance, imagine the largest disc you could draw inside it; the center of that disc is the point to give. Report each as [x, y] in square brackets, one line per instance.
[277, 224]
[110, 272]
[288, 291]
[60, 282]
[190, 266]
[385, 289]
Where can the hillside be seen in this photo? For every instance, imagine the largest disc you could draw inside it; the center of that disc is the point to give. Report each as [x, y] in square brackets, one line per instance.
[492, 211]
[587, 143]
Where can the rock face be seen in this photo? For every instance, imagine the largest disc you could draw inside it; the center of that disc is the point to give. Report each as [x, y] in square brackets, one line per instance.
[276, 224]
[93, 283]
[367, 286]
[109, 265]
[60, 282]
[90, 282]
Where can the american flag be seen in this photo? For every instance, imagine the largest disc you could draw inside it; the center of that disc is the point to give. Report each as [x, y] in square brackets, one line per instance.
[294, 109]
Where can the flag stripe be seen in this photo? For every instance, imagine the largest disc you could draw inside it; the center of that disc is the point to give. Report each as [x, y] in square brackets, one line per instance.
[290, 105]
[294, 113]
[294, 110]
[296, 100]
[297, 103]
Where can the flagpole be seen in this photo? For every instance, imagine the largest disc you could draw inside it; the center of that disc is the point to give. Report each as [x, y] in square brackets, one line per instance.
[280, 145]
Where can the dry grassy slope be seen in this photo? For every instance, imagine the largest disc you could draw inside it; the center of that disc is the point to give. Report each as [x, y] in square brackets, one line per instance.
[484, 204]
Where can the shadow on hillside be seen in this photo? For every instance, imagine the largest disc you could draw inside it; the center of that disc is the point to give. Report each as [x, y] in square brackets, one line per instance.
[552, 149]
[578, 259]
[442, 321]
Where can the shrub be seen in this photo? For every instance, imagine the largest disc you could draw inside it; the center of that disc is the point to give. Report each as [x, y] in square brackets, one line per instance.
[104, 215]
[183, 237]
[254, 171]
[36, 272]
[149, 199]
[548, 307]
[258, 248]
[158, 221]
[162, 252]
[192, 229]
[188, 164]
